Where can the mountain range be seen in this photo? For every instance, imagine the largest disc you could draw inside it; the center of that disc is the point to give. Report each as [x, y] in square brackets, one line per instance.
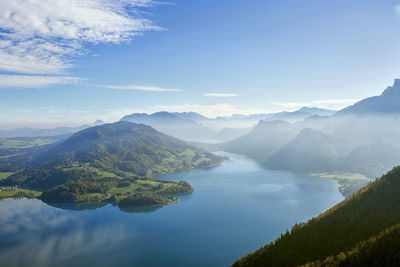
[179, 125]
[35, 132]
[343, 142]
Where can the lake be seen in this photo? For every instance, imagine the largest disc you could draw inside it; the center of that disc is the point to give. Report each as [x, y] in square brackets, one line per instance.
[236, 208]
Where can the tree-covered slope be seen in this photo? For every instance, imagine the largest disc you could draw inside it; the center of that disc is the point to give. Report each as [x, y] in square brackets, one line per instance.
[309, 151]
[379, 250]
[340, 229]
[122, 149]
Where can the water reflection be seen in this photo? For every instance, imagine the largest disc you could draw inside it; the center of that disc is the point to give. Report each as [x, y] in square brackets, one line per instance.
[78, 205]
[235, 208]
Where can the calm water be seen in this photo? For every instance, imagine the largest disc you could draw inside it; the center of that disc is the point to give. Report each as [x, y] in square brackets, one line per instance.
[236, 208]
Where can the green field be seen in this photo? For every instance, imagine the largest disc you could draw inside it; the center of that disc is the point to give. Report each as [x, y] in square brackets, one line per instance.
[19, 193]
[86, 166]
[341, 176]
[7, 143]
[349, 183]
[125, 190]
[11, 155]
[4, 175]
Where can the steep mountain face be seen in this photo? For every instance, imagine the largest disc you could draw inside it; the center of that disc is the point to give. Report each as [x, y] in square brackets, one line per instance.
[361, 225]
[309, 151]
[123, 149]
[387, 103]
[265, 139]
[177, 125]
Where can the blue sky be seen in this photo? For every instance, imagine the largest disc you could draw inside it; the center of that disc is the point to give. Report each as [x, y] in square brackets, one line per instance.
[112, 58]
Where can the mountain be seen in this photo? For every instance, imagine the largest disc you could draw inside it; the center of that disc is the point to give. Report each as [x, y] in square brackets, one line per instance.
[300, 114]
[387, 103]
[177, 125]
[309, 151]
[98, 122]
[317, 111]
[373, 159]
[263, 140]
[33, 132]
[227, 134]
[297, 115]
[190, 116]
[362, 230]
[36, 132]
[122, 149]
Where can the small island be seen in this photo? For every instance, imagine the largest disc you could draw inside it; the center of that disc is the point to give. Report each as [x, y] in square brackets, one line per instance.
[124, 193]
[128, 192]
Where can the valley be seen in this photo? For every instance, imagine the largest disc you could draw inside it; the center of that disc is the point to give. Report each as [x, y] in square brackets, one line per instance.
[137, 168]
[199, 133]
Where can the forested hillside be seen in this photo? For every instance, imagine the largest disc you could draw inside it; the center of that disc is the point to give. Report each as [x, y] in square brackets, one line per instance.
[339, 230]
[120, 149]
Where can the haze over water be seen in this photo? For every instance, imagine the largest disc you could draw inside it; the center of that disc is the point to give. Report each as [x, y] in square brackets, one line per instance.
[235, 209]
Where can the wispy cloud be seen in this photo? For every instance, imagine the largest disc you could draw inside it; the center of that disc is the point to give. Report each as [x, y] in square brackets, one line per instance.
[34, 81]
[397, 10]
[220, 95]
[43, 36]
[329, 104]
[142, 88]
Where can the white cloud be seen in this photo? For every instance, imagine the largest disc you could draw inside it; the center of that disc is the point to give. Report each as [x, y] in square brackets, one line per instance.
[397, 10]
[34, 81]
[220, 95]
[40, 36]
[335, 104]
[142, 88]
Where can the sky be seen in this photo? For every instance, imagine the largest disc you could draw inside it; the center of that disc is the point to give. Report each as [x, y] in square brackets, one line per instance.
[70, 62]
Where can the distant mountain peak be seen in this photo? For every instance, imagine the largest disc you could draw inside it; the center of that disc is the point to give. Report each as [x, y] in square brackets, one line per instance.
[314, 110]
[391, 90]
[99, 122]
[387, 103]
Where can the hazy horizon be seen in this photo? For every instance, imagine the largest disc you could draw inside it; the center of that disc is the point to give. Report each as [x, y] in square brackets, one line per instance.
[216, 59]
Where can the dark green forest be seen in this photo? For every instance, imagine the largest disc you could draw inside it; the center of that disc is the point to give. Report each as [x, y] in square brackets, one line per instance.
[344, 234]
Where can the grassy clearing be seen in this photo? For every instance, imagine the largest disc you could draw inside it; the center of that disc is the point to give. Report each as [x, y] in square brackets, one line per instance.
[6, 143]
[124, 190]
[342, 176]
[18, 192]
[148, 182]
[4, 175]
[11, 155]
[102, 173]
[349, 183]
